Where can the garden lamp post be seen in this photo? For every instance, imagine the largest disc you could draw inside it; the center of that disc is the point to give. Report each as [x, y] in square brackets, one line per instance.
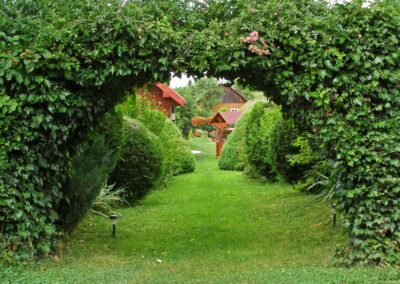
[113, 220]
[333, 207]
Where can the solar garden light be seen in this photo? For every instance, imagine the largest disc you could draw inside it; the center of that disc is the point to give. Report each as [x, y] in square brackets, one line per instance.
[333, 207]
[113, 219]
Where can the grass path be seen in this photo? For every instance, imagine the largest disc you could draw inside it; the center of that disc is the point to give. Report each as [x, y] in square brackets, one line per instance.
[209, 226]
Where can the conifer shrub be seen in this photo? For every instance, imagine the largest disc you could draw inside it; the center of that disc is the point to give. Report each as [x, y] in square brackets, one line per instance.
[140, 166]
[233, 153]
[90, 166]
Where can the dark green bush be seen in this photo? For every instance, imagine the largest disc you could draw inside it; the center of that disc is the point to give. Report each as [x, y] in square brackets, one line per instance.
[90, 166]
[141, 161]
[234, 152]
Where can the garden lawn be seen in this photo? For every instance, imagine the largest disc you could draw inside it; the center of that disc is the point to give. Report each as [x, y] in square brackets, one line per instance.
[210, 226]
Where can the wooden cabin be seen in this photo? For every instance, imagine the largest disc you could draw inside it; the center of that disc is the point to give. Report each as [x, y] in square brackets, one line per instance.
[224, 123]
[231, 101]
[165, 99]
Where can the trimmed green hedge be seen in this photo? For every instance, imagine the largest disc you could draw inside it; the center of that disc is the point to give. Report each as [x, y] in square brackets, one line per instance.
[141, 161]
[282, 148]
[177, 153]
[262, 141]
[179, 157]
[233, 153]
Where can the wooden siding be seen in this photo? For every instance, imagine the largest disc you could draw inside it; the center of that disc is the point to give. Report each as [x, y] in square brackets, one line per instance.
[228, 106]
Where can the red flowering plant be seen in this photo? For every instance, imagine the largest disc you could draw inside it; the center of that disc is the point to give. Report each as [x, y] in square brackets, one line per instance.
[256, 43]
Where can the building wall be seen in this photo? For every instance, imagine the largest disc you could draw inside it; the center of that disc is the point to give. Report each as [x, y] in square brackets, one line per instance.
[165, 105]
[228, 106]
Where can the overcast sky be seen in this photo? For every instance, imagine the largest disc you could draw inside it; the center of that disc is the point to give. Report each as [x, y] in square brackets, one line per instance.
[177, 82]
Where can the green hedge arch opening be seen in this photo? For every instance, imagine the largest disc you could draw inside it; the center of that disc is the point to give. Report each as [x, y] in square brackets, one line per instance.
[333, 69]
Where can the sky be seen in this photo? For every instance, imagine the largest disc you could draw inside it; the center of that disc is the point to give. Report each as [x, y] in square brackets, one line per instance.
[177, 82]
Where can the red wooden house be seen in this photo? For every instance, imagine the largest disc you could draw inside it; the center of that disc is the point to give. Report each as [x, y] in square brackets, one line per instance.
[165, 99]
[223, 123]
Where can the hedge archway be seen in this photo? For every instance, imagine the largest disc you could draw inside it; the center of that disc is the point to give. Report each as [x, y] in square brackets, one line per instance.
[335, 70]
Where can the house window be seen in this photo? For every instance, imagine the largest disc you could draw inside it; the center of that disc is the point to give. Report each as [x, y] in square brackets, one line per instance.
[173, 116]
[234, 109]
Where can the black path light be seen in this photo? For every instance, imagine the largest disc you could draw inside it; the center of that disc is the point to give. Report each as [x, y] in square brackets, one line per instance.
[113, 220]
[333, 207]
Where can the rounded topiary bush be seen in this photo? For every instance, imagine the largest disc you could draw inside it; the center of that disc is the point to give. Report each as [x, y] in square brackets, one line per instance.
[233, 153]
[141, 161]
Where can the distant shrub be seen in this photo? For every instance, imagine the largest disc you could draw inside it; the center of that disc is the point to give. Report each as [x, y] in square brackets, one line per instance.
[199, 121]
[198, 133]
[91, 164]
[234, 152]
[141, 164]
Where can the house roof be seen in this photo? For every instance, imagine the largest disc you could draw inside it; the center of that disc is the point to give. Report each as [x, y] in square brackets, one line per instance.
[237, 93]
[230, 95]
[228, 117]
[170, 93]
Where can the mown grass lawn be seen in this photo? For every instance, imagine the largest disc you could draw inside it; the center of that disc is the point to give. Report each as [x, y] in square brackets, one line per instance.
[209, 226]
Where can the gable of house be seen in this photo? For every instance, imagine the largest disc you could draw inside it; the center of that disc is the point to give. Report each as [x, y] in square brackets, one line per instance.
[231, 100]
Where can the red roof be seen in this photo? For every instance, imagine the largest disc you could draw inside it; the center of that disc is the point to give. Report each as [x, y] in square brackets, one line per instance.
[229, 117]
[170, 93]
